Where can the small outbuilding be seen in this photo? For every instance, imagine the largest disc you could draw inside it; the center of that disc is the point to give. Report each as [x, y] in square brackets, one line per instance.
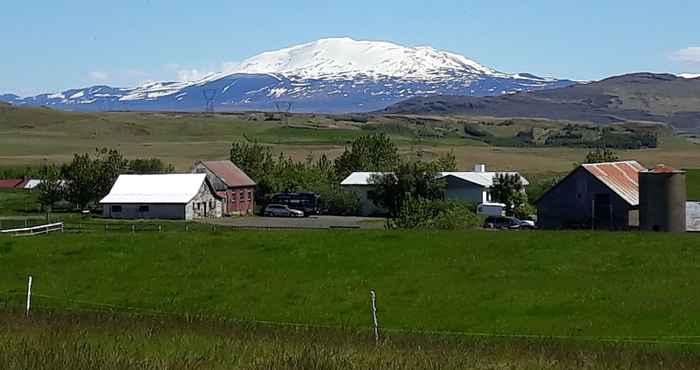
[597, 195]
[171, 196]
[231, 184]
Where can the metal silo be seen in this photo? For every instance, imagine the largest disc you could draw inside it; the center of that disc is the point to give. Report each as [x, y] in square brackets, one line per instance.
[662, 198]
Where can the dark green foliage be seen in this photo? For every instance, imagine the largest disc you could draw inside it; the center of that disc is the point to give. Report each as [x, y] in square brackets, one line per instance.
[693, 180]
[410, 180]
[51, 189]
[601, 155]
[473, 130]
[283, 174]
[509, 190]
[445, 163]
[150, 166]
[254, 159]
[89, 178]
[419, 213]
[368, 153]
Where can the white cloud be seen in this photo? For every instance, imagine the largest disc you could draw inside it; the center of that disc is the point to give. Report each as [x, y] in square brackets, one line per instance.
[688, 55]
[188, 73]
[191, 74]
[98, 76]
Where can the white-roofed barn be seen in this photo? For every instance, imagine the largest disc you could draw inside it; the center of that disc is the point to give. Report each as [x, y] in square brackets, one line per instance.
[170, 196]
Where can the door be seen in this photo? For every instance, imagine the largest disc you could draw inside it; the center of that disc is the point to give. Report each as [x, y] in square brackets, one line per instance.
[602, 212]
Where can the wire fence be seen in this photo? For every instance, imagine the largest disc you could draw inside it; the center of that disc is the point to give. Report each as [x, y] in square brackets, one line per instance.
[15, 300]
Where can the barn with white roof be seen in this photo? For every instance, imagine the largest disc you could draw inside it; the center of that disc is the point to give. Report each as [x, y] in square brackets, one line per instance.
[170, 196]
[470, 187]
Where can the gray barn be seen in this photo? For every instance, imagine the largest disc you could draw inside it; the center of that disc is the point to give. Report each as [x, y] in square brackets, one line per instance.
[173, 196]
[600, 196]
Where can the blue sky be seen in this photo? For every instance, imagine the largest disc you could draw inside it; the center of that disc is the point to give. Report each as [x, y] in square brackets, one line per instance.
[51, 45]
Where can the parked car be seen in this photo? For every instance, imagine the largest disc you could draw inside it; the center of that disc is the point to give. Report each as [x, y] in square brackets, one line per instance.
[305, 202]
[509, 223]
[281, 210]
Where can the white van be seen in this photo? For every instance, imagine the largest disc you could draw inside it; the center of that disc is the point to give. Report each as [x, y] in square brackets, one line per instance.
[491, 209]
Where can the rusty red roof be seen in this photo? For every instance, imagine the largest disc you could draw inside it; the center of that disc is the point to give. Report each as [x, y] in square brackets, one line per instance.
[620, 177]
[662, 168]
[229, 173]
[13, 183]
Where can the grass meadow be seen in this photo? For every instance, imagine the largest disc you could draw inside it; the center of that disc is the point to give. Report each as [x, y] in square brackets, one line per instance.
[30, 136]
[569, 284]
[52, 340]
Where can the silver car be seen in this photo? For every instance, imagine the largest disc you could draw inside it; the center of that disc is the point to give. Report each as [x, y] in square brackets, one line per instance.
[280, 210]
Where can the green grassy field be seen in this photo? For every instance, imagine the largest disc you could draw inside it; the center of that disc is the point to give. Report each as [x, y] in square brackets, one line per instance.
[576, 284]
[108, 341]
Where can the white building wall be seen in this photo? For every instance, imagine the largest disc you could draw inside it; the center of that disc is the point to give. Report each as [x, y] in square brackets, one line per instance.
[461, 190]
[204, 204]
[144, 211]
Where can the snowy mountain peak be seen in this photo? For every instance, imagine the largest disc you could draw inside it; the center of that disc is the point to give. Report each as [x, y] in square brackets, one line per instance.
[346, 57]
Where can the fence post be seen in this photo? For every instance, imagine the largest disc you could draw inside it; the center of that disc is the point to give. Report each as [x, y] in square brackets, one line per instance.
[29, 295]
[373, 294]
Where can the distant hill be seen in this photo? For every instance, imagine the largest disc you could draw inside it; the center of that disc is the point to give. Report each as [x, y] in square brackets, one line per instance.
[662, 98]
[328, 75]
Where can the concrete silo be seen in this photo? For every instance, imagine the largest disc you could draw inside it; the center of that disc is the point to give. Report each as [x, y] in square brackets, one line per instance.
[662, 198]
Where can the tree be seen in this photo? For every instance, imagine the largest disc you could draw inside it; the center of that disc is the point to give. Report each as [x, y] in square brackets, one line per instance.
[368, 153]
[149, 166]
[81, 180]
[51, 186]
[90, 178]
[410, 180]
[254, 159]
[446, 162]
[509, 190]
[601, 155]
[109, 164]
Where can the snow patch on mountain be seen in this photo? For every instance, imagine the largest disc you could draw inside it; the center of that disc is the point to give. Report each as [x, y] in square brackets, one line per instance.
[336, 57]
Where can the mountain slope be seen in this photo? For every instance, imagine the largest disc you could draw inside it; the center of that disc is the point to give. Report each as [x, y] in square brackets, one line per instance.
[329, 75]
[660, 98]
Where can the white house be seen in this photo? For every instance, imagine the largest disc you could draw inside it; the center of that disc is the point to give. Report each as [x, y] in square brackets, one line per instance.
[171, 196]
[465, 186]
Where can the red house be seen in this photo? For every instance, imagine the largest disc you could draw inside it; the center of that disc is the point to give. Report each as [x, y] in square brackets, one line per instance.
[230, 183]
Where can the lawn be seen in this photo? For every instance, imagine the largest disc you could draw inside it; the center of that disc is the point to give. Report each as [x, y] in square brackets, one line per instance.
[571, 284]
[17, 201]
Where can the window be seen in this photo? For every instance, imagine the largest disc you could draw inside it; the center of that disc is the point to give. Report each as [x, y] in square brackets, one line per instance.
[116, 209]
[144, 209]
[250, 196]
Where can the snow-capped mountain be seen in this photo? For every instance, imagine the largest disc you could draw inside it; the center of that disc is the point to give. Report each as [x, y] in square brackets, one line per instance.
[329, 75]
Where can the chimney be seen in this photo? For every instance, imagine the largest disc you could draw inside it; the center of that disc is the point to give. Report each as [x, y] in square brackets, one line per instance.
[480, 168]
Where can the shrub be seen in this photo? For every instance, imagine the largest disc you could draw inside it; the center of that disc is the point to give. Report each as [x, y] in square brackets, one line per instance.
[421, 213]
